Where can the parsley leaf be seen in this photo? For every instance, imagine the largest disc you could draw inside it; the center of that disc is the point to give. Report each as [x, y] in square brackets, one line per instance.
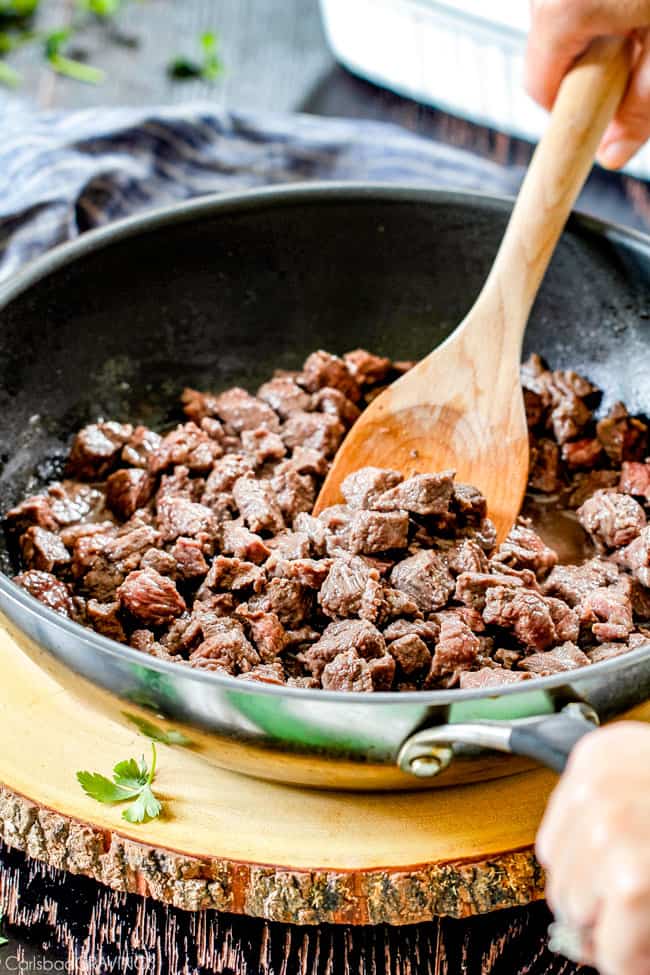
[131, 781]
[166, 737]
[209, 67]
[71, 68]
[3, 940]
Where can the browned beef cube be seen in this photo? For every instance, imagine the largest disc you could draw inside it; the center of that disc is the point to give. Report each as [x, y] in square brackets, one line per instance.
[199, 406]
[534, 408]
[96, 573]
[507, 658]
[489, 677]
[140, 445]
[130, 543]
[336, 520]
[544, 473]
[611, 519]
[290, 545]
[378, 531]
[569, 417]
[457, 648]
[150, 597]
[585, 484]
[364, 486]
[524, 549]
[526, 614]
[425, 578]
[105, 618]
[162, 561]
[267, 633]
[284, 396]
[609, 611]
[347, 672]
[188, 554]
[263, 444]
[469, 504]
[366, 368]
[471, 587]
[358, 635]
[179, 484]
[314, 529]
[427, 630]
[571, 582]
[127, 490]
[322, 369]
[640, 597]
[44, 550]
[318, 431]
[145, 641]
[556, 661]
[289, 600]
[635, 479]
[309, 572]
[258, 505]
[272, 673]
[582, 454]
[344, 586]
[334, 402]
[48, 590]
[467, 556]
[244, 544]
[554, 386]
[233, 574]
[396, 603]
[411, 654]
[96, 450]
[565, 620]
[35, 510]
[306, 460]
[227, 648]
[72, 502]
[422, 494]
[225, 472]
[295, 492]
[606, 651]
[622, 436]
[178, 516]
[636, 557]
[241, 411]
[188, 446]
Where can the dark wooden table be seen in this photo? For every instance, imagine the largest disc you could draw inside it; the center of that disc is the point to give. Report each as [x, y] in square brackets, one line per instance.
[276, 58]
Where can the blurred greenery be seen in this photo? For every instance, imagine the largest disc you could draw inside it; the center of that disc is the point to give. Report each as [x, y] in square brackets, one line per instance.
[17, 28]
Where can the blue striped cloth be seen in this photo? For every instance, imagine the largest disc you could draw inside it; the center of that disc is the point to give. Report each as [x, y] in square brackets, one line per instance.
[64, 173]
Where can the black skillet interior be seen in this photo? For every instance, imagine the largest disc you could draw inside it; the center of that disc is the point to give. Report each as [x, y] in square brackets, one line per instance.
[233, 293]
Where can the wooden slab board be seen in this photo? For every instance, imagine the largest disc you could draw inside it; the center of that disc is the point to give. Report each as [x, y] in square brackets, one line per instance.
[238, 844]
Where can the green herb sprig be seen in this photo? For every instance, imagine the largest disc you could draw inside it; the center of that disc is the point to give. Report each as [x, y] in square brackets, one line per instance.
[3, 940]
[132, 783]
[208, 66]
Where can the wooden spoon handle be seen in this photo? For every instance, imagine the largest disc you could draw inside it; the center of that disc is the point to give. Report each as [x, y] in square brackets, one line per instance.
[586, 102]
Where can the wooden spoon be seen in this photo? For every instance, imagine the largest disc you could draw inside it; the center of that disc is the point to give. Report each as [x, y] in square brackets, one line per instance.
[462, 407]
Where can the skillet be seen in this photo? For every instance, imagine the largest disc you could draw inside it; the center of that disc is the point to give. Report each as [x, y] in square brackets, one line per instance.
[223, 290]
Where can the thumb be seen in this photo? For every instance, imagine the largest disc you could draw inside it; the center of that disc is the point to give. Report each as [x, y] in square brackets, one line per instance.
[630, 128]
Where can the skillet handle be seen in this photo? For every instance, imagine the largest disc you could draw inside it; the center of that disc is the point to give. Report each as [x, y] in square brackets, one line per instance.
[549, 740]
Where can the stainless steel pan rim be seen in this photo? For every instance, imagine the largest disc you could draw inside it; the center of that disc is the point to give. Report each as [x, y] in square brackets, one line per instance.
[247, 200]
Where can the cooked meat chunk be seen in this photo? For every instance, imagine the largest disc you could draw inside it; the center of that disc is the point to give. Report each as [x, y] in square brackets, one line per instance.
[582, 454]
[141, 444]
[544, 473]
[635, 479]
[72, 503]
[457, 648]
[609, 612]
[127, 490]
[487, 677]
[96, 450]
[241, 411]
[571, 582]
[44, 550]
[623, 437]
[423, 494]
[366, 368]
[106, 620]
[187, 554]
[334, 402]
[467, 556]
[350, 672]
[188, 445]
[569, 417]
[322, 369]
[357, 635]
[611, 519]
[226, 648]
[258, 505]
[565, 657]
[291, 601]
[263, 444]
[295, 492]
[471, 587]
[524, 549]
[48, 590]
[284, 396]
[636, 557]
[244, 544]
[525, 614]
[361, 488]
[342, 590]
[378, 531]
[35, 510]
[150, 597]
[424, 577]
[178, 516]
[317, 431]
[411, 654]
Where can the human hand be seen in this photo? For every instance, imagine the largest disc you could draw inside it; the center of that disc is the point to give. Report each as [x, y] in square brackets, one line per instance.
[594, 842]
[561, 31]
